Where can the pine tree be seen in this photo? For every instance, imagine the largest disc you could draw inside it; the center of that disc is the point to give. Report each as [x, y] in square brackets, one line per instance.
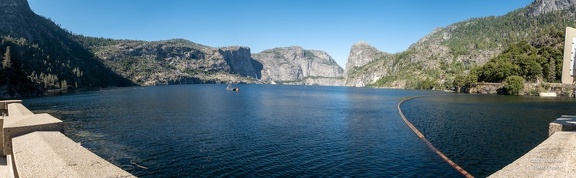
[7, 63]
[64, 85]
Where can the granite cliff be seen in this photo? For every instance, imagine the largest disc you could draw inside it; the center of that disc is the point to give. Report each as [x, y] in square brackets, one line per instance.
[175, 61]
[540, 7]
[295, 65]
[360, 55]
[181, 62]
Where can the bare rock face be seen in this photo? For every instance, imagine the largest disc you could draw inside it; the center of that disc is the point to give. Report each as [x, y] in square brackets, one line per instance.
[15, 6]
[368, 74]
[240, 61]
[178, 62]
[295, 65]
[539, 7]
[18, 20]
[361, 54]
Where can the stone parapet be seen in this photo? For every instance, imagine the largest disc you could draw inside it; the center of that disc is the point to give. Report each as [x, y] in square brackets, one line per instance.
[52, 154]
[4, 115]
[21, 121]
[564, 123]
[24, 125]
[10, 167]
[4, 106]
[17, 110]
[555, 157]
[34, 146]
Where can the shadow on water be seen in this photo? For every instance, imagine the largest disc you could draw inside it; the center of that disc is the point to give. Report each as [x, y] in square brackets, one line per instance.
[484, 133]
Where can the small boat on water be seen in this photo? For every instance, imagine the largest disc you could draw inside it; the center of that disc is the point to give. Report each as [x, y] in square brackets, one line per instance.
[230, 88]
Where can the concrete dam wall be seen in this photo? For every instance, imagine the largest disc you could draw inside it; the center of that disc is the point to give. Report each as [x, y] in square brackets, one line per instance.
[33, 146]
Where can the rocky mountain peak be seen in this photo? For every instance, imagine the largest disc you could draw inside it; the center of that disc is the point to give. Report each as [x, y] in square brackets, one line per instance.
[361, 54]
[14, 3]
[361, 43]
[539, 7]
[18, 20]
[12, 8]
[42, 47]
[294, 51]
[296, 65]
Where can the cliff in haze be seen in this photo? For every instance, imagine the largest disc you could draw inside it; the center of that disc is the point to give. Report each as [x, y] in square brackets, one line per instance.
[295, 65]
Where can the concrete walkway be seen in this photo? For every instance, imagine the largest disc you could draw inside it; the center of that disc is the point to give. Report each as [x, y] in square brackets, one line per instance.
[52, 154]
[35, 147]
[555, 157]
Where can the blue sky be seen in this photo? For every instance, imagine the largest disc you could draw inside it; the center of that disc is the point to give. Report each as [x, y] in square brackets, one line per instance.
[329, 25]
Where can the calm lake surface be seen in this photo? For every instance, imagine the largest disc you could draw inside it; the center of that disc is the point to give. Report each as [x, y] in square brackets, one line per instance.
[295, 131]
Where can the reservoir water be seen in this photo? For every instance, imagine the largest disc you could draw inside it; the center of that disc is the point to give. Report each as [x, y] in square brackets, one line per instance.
[484, 133]
[295, 131]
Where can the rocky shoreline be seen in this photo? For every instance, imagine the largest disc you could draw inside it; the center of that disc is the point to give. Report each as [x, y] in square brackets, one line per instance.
[530, 89]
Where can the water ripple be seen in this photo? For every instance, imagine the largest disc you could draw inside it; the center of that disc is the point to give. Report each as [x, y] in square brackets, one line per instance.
[262, 131]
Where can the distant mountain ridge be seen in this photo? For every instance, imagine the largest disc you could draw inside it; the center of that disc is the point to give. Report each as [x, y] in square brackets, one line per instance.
[39, 56]
[175, 61]
[42, 56]
[182, 62]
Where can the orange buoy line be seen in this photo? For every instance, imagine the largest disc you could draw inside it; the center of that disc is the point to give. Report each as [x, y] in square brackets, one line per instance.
[421, 136]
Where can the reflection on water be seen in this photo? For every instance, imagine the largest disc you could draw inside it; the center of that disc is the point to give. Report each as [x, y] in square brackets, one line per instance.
[262, 131]
[292, 131]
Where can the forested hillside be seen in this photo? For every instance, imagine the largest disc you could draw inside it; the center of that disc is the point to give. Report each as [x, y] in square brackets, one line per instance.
[535, 62]
[38, 55]
[435, 60]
